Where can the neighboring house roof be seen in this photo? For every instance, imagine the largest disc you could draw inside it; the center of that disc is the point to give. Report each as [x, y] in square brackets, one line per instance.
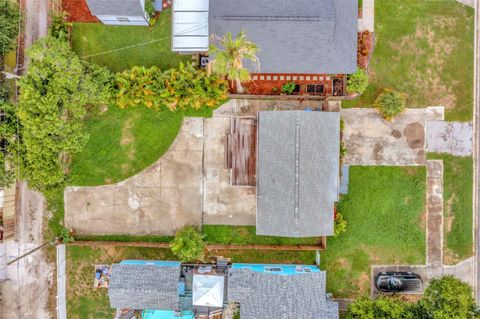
[301, 36]
[266, 295]
[129, 8]
[144, 286]
[190, 26]
[297, 172]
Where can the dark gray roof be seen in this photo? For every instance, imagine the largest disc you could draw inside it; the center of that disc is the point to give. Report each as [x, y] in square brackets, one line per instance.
[267, 295]
[132, 8]
[300, 36]
[144, 287]
[297, 172]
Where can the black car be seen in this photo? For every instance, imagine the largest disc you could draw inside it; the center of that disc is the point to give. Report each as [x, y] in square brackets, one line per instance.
[398, 282]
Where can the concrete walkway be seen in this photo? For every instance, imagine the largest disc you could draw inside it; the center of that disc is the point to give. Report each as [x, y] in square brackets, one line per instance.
[454, 138]
[434, 213]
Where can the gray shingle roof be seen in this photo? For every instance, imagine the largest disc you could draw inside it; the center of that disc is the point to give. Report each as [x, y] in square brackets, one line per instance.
[132, 8]
[297, 172]
[301, 36]
[272, 296]
[144, 287]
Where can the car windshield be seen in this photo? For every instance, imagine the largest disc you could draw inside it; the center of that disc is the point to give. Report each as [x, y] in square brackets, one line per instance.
[394, 284]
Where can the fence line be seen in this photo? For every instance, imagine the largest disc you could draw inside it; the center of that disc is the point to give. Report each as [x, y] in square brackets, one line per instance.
[61, 283]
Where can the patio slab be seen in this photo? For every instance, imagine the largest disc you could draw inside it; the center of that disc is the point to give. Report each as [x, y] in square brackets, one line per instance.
[454, 138]
[371, 140]
[222, 203]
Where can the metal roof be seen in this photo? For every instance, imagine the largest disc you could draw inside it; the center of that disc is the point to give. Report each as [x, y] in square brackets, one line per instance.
[190, 25]
[297, 172]
[301, 36]
[144, 286]
[267, 295]
[129, 8]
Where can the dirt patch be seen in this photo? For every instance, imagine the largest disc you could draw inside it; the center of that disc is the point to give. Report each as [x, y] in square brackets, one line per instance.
[414, 135]
[410, 171]
[127, 135]
[363, 283]
[450, 257]
[422, 221]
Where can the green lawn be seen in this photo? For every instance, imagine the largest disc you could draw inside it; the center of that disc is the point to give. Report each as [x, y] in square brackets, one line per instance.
[245, 235]
[424, 49]
[457, 206]
[385, 211]
[121, 47]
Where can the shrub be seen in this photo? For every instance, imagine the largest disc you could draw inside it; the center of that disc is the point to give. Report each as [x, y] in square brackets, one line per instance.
[390, 103]
[185, 87]
[188, 245]
[340, 224]
[59, 27]
[274, 90]
[288, 88]
[149, 8]
[447, 297]
[357, 82]
[9, 14]
[381, 308]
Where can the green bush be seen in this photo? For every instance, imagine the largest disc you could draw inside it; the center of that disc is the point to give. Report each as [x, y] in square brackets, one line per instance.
[188, 245]
[9, 15]
[182, 88]
[288, 88]
[149, 8]
[340, 224]
[390, 103]
[447, 297]
[59, 27]
[357, 82]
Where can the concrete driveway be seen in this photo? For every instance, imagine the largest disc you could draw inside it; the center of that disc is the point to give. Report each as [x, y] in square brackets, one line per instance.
[160, 200]
[371, 140]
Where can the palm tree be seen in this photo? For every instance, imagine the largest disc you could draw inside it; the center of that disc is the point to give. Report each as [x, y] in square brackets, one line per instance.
[228, 59]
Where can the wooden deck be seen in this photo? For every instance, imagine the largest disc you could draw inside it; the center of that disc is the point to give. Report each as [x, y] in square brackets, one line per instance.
[241, 151]
[7, 214]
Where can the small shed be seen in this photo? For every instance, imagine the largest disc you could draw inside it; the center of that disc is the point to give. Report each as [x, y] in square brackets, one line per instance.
[190, 26]
[119, 12]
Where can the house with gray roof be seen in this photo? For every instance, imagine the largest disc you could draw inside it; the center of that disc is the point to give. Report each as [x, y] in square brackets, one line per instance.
[297, 172]
[144, 285]
[280, 292]
[119, 12]
[293, 37]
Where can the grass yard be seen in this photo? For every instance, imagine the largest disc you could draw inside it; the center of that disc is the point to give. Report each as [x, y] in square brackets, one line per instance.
[121, 47]
[85, 302]
[385, 211]
[457, 207]
[124, 142]
[424, 49]
[245, 235]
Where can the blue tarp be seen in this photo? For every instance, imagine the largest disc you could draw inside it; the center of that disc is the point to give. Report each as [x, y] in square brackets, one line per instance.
[166, 314]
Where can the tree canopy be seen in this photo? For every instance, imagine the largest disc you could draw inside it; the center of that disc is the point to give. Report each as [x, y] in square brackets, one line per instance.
[9, 15]
[188, 245]
[445, 297]
[228, 58]
[54, 94]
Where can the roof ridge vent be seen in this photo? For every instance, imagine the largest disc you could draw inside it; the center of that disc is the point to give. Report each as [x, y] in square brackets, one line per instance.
[271, 18]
